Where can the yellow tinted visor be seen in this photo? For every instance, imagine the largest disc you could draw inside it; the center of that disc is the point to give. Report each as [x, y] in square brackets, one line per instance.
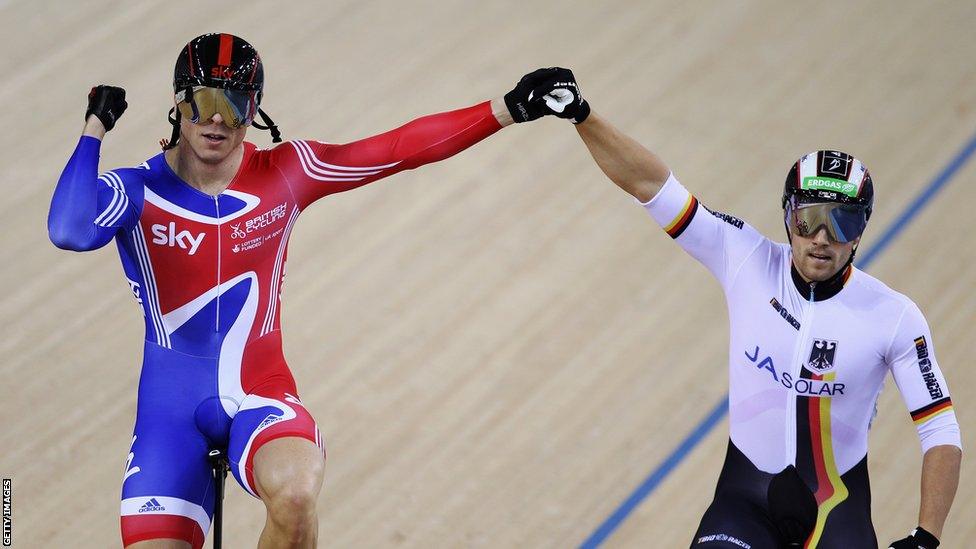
[200, 104]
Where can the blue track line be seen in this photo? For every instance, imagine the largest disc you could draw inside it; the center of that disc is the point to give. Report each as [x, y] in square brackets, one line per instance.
[620, 514]
[920, 201]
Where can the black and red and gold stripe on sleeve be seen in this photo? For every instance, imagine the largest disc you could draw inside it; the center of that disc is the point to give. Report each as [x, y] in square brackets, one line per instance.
[684, 217]
[925, 413]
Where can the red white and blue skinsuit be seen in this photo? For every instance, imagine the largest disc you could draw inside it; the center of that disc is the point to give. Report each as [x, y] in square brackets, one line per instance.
[207, 272]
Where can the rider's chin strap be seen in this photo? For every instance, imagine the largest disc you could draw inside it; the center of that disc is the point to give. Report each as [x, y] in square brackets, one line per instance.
[175, 121]
[786, 224]
[268, 125]
[851, 259]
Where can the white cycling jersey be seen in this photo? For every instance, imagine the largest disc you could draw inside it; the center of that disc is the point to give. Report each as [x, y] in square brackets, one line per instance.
[807, 362]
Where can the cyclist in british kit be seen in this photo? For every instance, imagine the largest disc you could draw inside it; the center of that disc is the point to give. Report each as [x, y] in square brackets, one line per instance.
[202, 232]
[812, 338]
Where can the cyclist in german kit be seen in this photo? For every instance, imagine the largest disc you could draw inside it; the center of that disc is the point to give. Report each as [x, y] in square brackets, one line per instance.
[202, 231]
[812, 338]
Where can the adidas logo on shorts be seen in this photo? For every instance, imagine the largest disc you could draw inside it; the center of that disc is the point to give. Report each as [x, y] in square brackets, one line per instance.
[271, 418]
[151, 506]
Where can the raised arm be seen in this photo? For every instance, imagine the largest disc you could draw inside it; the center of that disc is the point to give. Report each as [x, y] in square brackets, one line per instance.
[625, 161]
[78, 220]
[721, 242]
[426, 139]
[315, 169]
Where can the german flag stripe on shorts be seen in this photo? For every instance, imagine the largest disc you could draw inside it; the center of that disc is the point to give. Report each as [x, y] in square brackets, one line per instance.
[684, 217]
[928, 412]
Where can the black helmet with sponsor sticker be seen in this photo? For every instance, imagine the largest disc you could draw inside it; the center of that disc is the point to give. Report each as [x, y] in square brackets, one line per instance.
[219, 73]
[831, 190]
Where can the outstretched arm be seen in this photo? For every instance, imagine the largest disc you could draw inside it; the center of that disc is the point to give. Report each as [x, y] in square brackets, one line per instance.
[625, 161]
[314, 169]
[424, 140]
[319, 169]
[719, 241]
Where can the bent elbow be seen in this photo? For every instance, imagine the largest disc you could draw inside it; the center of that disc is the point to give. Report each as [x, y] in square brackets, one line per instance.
[64, 241]
[69, 240]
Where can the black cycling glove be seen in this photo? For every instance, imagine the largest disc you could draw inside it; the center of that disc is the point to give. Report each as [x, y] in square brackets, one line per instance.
[547, 91]
[918, 539]
[107, 103]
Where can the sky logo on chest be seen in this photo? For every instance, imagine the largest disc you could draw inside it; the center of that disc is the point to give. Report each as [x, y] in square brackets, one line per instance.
[821, 356]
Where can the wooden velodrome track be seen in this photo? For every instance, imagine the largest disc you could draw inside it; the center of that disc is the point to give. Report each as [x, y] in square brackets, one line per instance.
[500, 347]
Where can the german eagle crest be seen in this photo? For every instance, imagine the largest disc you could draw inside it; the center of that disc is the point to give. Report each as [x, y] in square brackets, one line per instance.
[822, 356]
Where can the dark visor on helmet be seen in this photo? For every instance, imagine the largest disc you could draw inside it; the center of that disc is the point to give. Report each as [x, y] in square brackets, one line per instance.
[843, 222]
[200, 104]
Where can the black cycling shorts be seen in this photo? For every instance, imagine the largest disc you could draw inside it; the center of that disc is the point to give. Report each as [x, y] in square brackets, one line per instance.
[747, 514]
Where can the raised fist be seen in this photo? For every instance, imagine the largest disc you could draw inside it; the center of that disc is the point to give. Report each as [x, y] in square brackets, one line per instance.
[547, 91]
[107, 103]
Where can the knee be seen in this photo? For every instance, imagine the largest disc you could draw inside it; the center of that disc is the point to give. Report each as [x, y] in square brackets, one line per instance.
[292, 508]
[293, 513]
[295, 500]
[288, 475]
